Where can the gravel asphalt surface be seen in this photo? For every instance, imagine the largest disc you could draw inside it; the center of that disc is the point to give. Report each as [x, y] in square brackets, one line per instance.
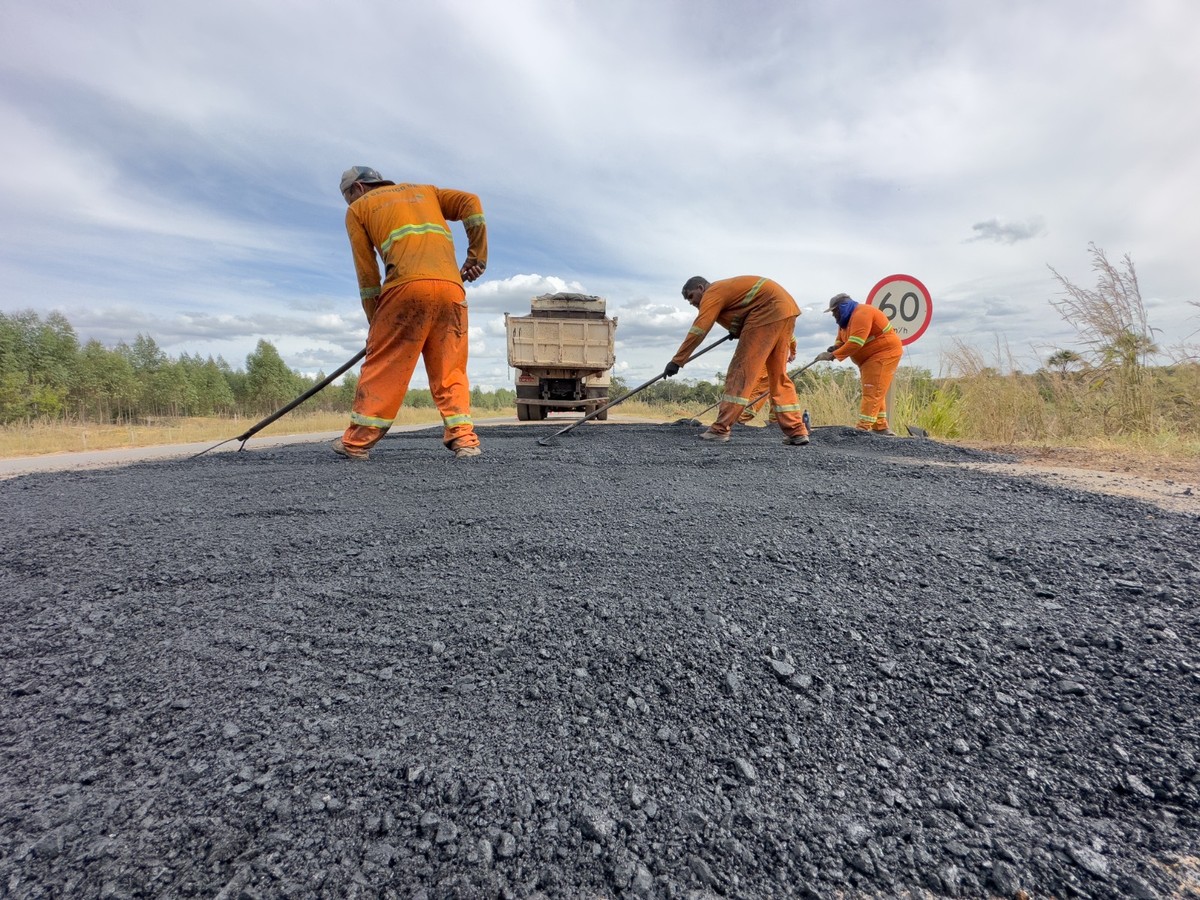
[628, 665]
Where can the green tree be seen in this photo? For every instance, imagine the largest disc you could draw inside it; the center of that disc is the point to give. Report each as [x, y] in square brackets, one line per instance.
[106, 388]
[38, 361]
[144, 355]
[346, 390]
[1062, 361]
[270, 384]
[170, 392]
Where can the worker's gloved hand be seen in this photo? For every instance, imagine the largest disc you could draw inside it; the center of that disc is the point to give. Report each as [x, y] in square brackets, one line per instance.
[825, 357]
[733, 335]
[672, 368]
[831, 347]
[471, 270]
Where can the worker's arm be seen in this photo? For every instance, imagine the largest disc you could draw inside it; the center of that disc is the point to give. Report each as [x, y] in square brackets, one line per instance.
[711, 307]
[366, 266]
[461, 206]
[828, 354]
[855, 334]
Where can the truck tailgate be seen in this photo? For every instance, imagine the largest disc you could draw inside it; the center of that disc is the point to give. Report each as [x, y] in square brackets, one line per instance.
[537, 342]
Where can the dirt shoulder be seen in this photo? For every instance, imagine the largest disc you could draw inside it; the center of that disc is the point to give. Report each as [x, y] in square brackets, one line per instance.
[1171, 484]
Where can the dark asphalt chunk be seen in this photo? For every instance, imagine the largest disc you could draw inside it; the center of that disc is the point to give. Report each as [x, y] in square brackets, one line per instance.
[631, 664]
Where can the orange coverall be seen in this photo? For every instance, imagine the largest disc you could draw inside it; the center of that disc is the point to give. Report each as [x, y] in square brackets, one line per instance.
[761, 387]
[869, 341]
[762, 315]
[420, 310]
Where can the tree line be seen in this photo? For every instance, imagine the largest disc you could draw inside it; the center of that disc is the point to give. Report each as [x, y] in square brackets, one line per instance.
[47, 374]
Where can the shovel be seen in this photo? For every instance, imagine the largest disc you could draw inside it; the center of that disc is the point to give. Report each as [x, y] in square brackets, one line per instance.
[695, 420]
[548, 441]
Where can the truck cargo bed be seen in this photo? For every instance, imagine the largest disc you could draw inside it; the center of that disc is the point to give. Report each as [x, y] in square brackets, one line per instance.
[540, 342]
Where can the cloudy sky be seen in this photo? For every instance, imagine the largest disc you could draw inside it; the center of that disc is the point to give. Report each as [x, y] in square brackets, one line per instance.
[171, 169]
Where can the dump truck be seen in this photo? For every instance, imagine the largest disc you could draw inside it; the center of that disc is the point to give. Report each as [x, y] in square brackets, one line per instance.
[563, 353]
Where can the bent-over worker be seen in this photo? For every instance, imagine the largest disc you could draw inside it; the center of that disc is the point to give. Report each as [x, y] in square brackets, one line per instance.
[419, 310]
[865, 336]
[762, 316]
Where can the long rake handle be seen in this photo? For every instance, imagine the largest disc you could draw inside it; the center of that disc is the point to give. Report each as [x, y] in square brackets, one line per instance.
[316, 388]
[636, 390]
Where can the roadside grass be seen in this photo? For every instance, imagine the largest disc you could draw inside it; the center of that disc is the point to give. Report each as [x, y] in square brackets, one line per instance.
[1027, 416]
[39, 438]
[1033, 416]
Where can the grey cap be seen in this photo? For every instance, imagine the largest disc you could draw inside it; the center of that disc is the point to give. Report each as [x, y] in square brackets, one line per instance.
[836, 299]
[355, 174]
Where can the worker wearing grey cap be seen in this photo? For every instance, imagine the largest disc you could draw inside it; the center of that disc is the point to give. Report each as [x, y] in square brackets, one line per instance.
[418, 310]
[865, 336]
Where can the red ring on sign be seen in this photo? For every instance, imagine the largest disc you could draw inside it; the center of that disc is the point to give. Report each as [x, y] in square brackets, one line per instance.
[924, 291]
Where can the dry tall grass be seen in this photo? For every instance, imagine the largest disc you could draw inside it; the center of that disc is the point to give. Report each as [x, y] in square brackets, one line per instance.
[40, 438]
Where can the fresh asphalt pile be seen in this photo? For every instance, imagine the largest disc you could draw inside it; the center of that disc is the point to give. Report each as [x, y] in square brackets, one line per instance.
[628, 665]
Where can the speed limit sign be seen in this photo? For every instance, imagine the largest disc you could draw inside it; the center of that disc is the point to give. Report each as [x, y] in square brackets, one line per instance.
[906, 303]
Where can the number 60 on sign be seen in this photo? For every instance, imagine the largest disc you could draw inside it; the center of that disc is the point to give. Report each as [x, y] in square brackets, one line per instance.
[906, 303]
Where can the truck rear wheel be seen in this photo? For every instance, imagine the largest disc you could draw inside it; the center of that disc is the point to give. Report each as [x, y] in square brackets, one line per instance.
[600, 395]
[523, 412]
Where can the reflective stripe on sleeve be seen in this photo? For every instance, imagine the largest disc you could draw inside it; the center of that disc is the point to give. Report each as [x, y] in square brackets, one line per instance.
[473, 221]
[695, 330]
[368, 293]
[857, 341]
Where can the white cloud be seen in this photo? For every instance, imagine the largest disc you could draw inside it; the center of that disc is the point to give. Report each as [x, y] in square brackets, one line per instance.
[168, 171]
[1008, 232]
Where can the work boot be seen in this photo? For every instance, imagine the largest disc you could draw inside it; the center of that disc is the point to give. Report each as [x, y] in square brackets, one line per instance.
[717, 437]
[884, 431]
[796, 440]
[467, 452]
[348, 452]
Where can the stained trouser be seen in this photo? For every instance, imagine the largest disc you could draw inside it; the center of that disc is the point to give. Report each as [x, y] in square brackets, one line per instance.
[765, 345]
[876, 373]
[417, 319]
[761, 387]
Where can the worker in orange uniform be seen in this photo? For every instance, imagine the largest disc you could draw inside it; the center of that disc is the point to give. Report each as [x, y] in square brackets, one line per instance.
[762, 390]
[762, 316]
[420, 310]
[865, 336]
